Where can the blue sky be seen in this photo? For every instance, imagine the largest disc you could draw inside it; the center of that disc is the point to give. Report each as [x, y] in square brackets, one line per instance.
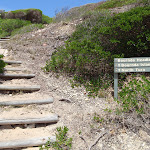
[49, 7]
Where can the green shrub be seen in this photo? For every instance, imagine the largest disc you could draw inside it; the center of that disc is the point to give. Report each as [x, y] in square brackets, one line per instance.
[90, 51]
[134, 95]
[46, 19]
[2, 64]
[128, 33]
[16, 26]
[62, 141]
[24, 10]
[8, 25]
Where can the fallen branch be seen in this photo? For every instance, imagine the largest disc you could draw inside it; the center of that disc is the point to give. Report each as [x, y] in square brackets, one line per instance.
[96, 141]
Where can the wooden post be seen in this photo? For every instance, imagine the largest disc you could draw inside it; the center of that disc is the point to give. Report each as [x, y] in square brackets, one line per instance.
[116, 85]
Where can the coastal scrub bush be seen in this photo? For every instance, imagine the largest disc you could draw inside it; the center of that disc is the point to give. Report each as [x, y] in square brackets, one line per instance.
[8, 25]
[62, 141]
[89, 53]
[134, 96]
[46, 19]
[128, 33]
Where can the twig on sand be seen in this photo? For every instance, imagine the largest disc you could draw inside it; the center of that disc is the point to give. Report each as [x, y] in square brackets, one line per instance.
[66, 100]
[99, 137]
[96, 141]
[84, 141]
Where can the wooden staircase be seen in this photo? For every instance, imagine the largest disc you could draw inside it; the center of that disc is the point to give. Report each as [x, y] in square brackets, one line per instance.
[27, 136]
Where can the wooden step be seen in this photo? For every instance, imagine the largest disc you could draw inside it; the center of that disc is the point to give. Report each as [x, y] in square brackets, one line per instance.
[4, 39]
[8, 37]
[12, 76]
[19, 88]
[13, 69]
[31, 141]
[29, 120]
[27, 142]
[26, 102]
[12, 62]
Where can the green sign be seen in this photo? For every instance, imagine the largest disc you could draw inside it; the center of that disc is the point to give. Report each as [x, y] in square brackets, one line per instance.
[139, 64]
[133, 60]
[132, 65]
[139, 69]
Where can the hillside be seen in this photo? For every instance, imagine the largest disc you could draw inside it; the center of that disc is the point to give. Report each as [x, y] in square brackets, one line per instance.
[21, 21]
[58, 46]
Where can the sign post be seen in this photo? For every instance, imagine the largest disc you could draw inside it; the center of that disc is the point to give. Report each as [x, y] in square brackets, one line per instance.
[121, 65]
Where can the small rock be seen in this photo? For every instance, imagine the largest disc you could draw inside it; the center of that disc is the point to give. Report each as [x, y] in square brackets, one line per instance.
[44, 44]
[144, 135]
[30, 126]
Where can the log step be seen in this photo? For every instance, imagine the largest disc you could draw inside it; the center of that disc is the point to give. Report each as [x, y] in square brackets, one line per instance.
[8, 37]
[4, 39]
[26, 102]
[12, 76]
[27, 142]
[19, 88]
[30, 120]
[12, 62]
[13, 69]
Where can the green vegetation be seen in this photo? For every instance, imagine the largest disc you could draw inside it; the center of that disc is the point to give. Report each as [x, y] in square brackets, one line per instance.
[116, 3]
[25, 10]
[97, 118]
[2, 64]
[46, 19]
[62, 141]
[27, 28]
[119, 3]
[134, 95]
[89, 56]
[9, 25]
